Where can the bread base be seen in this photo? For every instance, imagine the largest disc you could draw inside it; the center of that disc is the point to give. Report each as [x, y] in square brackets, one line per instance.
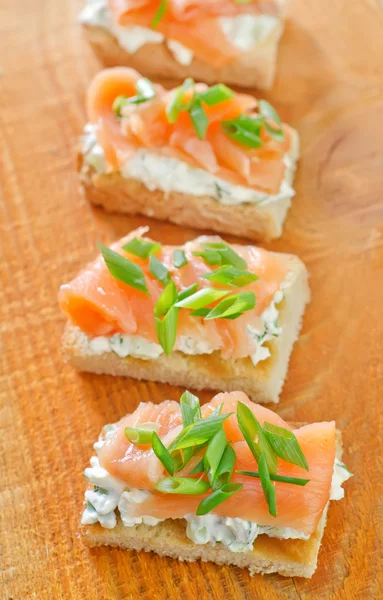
[115, 193]
[262, 383]
[292, 558]
[253, 69]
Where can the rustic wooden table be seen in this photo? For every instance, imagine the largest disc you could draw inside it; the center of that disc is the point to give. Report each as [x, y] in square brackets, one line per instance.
[330, 86]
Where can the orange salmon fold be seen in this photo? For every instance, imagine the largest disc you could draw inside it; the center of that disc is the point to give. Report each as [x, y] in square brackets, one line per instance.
[299, 507]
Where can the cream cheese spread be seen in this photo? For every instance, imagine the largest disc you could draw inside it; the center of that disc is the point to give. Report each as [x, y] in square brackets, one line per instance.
[236, 534]
[169, 174]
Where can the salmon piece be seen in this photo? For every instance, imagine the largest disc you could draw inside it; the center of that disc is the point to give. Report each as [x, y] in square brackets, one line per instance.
[194, 24]
[101, 305]
[299, 507]
[146, 126]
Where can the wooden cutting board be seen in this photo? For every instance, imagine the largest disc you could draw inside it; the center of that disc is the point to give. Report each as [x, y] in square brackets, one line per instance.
[330, 86]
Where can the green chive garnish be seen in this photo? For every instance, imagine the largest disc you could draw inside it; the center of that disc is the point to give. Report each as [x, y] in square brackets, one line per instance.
[251, 428]
[159, 13]
[267, 487]
[182, 485]
[140, 247]
[268, 112]
[166, 329]
[158, 270]
[229, 275]
[190, 408]
[233, 306]
[198, 118]
[188, 291]
[176, 104]
[227, 256]
[211, 257]
[214, 453]
[179, 259]
[216, 94]
[166, 300]
[201, 298]
[273, 477]
[199, 432]
[145, 91]
[245, 130]
[123, 269]
[225, 468]
[141, 434]
[285, 445]
[199, 468]
[217, 497]
[162, 454]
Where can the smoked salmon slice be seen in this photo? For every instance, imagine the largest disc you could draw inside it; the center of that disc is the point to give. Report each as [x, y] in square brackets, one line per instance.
[298, 506]
[194, 24]
[102, 305]
[221, 148]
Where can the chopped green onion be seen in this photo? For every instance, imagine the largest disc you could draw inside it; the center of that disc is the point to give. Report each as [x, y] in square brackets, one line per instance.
[200, 312]
[123, 269]
[225, 468]
[90, 505]
[199, 432]
[201, 298]
[229, 275]
[188, 291]
[182, 485]
[214, 453]
[273, 477]
[141, 434]
[176, 104]
[158, 270]
[179, 259]
[140, 247]
[285, 445]
[145, 91]
[190, 408]
[268, 112]
[228, 256]
[159, 13]
[215, 94]
[199, 468]
[267, 487]
[166, 300]
[211, 257]
[162, 454]
[198, 118]
[251, 428]
[245, 130]
[233, 306]
[167, 330]
[218, 497]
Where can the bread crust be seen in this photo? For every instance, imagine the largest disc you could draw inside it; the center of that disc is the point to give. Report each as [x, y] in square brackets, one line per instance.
[292, 558]
[262, 383]
[253, 69]
[119, 194]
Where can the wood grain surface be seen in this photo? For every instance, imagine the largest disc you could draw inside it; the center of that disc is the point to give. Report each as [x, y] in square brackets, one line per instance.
[330, 86]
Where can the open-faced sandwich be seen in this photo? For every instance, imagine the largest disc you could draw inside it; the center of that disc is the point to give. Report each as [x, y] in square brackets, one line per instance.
[230, 482]
[197, 156]
[203, 315]
[216, 40]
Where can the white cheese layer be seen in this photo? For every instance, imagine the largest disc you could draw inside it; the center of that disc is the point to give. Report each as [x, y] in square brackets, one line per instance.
[236, 534]
[246, 32]
[168, 174]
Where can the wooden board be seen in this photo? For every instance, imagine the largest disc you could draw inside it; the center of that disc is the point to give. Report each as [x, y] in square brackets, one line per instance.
[330, 86]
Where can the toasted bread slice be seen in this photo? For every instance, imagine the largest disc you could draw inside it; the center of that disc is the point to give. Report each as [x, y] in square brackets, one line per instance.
[288, 557]
[262, 383]
[252, 69]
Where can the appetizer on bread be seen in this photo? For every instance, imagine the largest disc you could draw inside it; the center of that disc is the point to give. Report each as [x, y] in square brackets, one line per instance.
[203, 157]
[230, 41]
[229, 482]
[203, 315]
